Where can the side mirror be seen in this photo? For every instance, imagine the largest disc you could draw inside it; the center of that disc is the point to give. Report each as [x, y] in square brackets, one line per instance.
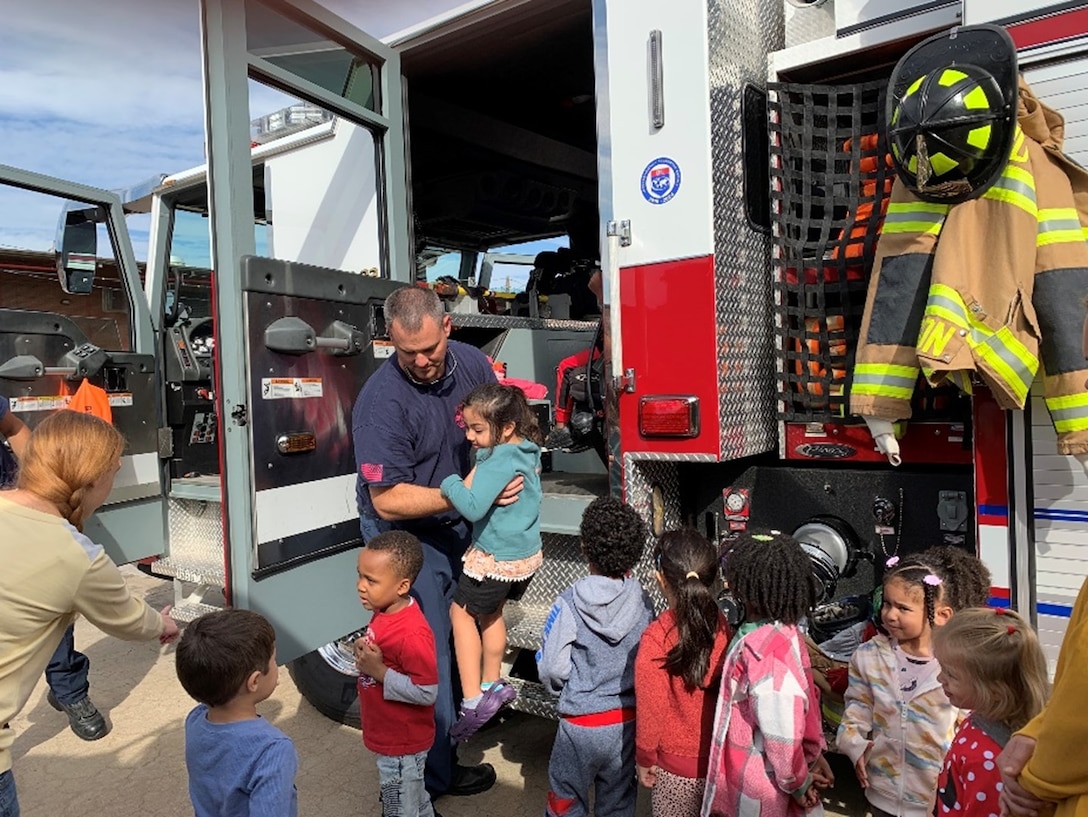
[77, 247]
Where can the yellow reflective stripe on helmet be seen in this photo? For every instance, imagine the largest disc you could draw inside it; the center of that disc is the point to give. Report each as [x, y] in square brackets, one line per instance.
[914, 86]
[1015, 186]
[1001, 351]
[1069, 412]
[942, 164]
[980, 137]
[1059, 225]
[950, 76]
[915, 217]
[885, 380]
[975, 99]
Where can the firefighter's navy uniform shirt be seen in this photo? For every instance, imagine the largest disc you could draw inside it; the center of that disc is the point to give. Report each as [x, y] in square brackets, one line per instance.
[405, 431]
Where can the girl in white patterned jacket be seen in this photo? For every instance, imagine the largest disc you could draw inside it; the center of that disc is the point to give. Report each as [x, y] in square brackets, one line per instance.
[898, 722]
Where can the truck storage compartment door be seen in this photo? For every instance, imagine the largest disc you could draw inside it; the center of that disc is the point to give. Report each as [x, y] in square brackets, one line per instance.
[78, 313]
[309, 344]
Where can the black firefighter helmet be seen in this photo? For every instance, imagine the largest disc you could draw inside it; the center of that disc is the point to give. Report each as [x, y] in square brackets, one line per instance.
[952, 106]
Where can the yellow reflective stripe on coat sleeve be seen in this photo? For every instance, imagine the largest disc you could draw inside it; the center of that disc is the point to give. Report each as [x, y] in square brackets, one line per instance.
[885, 380]
[1059, 225]
[1015, 186]
[1069, 412]
[1006, 356]
[915, 217]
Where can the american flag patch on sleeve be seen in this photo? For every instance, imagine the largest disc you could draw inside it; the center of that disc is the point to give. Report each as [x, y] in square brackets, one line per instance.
[371, 472]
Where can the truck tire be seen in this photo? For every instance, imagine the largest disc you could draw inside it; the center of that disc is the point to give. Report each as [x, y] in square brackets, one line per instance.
[331, 691]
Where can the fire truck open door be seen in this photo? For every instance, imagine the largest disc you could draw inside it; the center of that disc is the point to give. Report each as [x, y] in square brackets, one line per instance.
[295, 342]
[49, 345]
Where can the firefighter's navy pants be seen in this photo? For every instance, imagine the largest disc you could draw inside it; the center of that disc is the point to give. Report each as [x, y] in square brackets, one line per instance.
[67, 670]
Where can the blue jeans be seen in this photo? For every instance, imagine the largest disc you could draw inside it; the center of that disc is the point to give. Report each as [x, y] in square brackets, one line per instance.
[433, 589]
[9, 803]
[400, 781]
[67, 670]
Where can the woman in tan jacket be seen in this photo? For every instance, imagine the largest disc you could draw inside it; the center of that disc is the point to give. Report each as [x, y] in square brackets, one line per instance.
[51, 571]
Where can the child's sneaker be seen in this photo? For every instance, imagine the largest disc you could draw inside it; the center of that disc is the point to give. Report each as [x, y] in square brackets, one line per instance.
[560, 439]
[469, 721]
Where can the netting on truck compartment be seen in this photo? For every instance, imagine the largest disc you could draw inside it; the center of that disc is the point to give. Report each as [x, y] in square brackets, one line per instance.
[830, 176]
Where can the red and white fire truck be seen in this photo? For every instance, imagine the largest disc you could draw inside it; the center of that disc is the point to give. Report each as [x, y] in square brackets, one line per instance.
[698, 151]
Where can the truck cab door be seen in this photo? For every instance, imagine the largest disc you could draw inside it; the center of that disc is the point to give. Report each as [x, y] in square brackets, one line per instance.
[296, 326]
[79, 313]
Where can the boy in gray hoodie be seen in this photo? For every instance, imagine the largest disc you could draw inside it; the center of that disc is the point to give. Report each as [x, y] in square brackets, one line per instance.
[588, 659]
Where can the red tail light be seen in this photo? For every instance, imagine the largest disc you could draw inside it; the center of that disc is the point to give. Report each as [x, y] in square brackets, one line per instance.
[668, 416]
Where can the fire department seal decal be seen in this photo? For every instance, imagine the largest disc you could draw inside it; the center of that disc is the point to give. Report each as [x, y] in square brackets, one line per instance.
[660, 180]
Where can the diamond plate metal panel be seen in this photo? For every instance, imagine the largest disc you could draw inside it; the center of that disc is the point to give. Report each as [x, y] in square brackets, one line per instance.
[196, 542]
[534, 699]
[511, 322]
[803, 25]
[740, 34]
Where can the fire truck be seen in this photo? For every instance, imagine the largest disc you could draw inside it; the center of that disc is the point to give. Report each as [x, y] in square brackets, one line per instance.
[709, 157]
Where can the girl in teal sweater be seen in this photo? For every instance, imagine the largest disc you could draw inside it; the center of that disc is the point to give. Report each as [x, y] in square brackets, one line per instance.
[506, 543]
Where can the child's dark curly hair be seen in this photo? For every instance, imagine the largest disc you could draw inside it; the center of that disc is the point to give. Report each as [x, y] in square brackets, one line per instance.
[613, 536]
[404, 549]
[771, 575]
[965, 579]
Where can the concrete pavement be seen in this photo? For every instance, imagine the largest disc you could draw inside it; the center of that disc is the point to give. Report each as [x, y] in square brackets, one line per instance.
[139, 768]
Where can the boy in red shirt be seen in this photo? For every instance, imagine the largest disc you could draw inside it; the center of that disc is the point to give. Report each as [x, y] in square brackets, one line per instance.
[398, 673]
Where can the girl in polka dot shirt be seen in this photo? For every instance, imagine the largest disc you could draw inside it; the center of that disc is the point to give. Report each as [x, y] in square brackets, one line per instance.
[992, 664]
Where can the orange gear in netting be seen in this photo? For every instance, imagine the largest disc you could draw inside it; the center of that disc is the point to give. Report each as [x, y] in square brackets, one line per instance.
[813, 367]
[868, 166]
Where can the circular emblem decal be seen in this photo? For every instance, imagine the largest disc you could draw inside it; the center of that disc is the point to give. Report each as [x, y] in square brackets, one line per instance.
[660, 180]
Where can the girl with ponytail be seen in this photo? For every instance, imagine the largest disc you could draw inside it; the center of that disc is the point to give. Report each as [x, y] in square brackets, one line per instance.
[52, 572]
[677, 674]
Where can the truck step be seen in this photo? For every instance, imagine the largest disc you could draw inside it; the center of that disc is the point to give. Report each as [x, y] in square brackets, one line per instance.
[534, 699]
[565, 497]
[185, 613]
[169, 566]
[525, 623]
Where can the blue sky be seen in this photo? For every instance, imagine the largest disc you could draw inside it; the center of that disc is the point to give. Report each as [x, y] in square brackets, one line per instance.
[109, 94]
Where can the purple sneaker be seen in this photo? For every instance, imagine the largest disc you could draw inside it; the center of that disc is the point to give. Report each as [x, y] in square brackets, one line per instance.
[469, 721]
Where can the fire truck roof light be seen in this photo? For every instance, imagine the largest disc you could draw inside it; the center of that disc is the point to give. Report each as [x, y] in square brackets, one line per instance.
[668, 416]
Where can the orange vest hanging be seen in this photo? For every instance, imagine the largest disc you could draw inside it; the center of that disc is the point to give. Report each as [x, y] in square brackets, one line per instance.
[92, 399]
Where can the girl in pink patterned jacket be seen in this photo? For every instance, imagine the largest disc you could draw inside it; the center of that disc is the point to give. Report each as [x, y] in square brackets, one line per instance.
[766, 753]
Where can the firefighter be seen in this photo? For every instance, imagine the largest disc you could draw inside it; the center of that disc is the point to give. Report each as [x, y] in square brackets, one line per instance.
[982, 263]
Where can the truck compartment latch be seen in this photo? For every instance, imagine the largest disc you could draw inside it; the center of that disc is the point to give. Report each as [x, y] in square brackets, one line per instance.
[293, 336]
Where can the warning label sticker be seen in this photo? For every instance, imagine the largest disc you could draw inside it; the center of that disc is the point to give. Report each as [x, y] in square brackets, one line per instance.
[290, 388]
[41, 402]
[382, 349]
[52, 402]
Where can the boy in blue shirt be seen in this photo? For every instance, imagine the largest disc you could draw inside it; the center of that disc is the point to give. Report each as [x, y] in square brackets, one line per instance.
[238, 762]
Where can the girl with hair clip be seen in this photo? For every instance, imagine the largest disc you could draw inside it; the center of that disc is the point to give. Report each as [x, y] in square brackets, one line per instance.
[766, 750]
[677, 673]
[898, 722]
[505, 550]
[991, 664]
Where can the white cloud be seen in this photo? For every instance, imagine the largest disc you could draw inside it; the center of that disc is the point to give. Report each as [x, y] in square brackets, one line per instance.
[110, 93]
